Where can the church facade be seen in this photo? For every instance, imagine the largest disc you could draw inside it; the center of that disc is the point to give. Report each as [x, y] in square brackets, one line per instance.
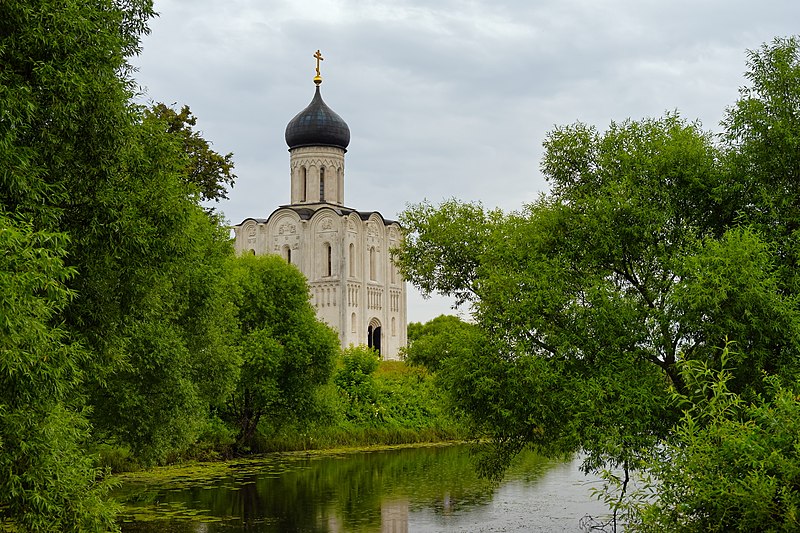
[344, 253]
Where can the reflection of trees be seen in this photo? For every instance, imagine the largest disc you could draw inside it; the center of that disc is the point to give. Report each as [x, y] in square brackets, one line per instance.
[343, 492]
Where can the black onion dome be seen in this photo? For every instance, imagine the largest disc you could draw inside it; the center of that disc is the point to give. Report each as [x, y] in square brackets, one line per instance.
[317, 125]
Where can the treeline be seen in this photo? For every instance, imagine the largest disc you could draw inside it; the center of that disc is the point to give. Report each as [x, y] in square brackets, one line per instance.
[645, 310]
[128, 330]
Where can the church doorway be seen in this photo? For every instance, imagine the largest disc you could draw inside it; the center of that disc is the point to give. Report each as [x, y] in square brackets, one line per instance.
[374, 335]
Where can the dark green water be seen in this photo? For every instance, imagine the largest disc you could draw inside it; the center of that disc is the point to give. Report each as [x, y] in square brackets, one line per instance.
[411, 489]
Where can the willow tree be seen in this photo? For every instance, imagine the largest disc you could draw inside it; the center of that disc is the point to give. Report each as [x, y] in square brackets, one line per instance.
[64, 114]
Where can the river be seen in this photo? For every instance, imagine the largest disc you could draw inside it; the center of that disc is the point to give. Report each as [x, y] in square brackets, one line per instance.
[418, 489]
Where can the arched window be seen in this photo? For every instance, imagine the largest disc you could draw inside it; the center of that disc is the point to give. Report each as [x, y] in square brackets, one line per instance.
[394, 327]
[322, 184]
[353, 323]
[287, 253]
[372, 263]
[393, 270]
[352, 260]
[303, 184]
[329, 259]
[252, 252]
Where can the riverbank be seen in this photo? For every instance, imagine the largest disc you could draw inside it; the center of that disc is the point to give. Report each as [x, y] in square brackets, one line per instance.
[392, 404]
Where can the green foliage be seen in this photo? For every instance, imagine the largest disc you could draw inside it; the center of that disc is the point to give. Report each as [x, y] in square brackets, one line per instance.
[409, 398]
[390, 394]
[64, 90]
[656, 243]
[393, 404]
[80, 160]
[732, 465]
[286, 352]
[210, 172]
[152, 304]
[730, 288]
[574, 295]
[48, 482]
[441, 253]
[357, 385]
[761, 128]
[441, 338]
[216, 441]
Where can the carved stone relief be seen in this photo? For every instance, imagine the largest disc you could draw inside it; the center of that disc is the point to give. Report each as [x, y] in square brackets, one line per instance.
[372, 229]
[287, 228]
[250, 230]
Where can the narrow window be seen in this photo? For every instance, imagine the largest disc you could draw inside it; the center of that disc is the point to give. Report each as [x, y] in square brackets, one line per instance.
[352, 260]
[303, 184]
[329, 252]
[287, 253]
[322, 184]
[392, 270]
[372, 263]
[353, 323]
[394, 327]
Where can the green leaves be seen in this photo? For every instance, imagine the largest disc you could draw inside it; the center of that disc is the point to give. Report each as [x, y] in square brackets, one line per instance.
[356, 384]
[444, 247]
[286, 352]
[47, 483]
[110, 269]
[657, 244]
[730, 289]
[445, 336]
[209, 172]
[732, 465]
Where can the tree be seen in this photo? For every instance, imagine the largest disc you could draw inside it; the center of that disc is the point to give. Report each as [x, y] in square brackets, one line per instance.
[210, 172]
[48, 482]
[80, 160]
[443, 337]
[732, 462]
[152, 304]
[286, 352]
[85, 162]
[640, 256]
[761, 133]
[64, 100]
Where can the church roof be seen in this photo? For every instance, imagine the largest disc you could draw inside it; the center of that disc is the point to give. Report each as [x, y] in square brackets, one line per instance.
[305, 213]
[317, 125]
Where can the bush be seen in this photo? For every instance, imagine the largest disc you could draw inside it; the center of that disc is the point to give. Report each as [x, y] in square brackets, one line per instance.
[357, 385]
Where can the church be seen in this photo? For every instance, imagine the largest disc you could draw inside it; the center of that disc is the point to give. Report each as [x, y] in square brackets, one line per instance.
[344, 253]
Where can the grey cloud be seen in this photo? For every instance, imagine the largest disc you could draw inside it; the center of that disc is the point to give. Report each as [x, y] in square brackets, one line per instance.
[445, 99]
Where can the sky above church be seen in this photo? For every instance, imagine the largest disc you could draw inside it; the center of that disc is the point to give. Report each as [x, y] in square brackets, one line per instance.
[443, 98]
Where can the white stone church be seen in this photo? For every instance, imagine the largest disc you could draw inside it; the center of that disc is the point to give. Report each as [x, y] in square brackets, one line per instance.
[344, 253]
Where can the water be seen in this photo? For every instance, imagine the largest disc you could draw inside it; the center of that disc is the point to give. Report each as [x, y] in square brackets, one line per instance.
[427, 489]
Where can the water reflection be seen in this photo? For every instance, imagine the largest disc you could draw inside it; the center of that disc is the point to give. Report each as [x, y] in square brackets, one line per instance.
[412, 489]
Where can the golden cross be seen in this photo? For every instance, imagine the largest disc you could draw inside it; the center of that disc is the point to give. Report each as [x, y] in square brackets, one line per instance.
[319, 57]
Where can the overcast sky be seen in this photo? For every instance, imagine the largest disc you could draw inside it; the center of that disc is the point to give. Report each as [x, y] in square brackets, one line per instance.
[443, 98]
